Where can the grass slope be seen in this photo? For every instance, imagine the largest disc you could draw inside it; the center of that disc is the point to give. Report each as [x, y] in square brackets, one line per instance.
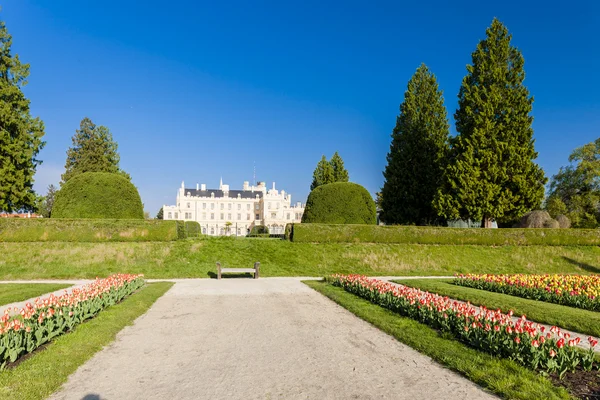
[45, 372]
[500, 376]
[197, 257]
[570, 318]
[15, 292]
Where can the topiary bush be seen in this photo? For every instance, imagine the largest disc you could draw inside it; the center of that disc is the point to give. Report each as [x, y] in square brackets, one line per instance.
[563, 221]
[551, 223]
[259, 230]
[535, 219]
[340, 203]
[98, 195]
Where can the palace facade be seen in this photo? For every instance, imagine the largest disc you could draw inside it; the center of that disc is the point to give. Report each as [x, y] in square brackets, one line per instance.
[223, 211]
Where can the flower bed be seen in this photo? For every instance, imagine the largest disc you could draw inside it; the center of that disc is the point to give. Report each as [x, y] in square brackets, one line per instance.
[581, 291]
[47, 318]
[491, 331]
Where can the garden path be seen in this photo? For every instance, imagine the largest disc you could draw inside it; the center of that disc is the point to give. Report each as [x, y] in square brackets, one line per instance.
[258, 339]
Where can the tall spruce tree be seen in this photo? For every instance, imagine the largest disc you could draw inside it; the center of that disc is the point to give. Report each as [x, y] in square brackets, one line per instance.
[340, 174]
[94, 150]
[323, 173]
[491, 174]
[417, 155]
[20, 133]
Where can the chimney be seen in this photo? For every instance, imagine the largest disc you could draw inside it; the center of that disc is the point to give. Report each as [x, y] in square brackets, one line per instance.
[203, 187]
[197, 186]
[246, 185]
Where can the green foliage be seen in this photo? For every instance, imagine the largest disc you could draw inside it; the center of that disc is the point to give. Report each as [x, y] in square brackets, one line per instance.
[192, 229]
[85, 230]
[340, 203]
[46, 203]
[323, 174]
[575, 190]
[491, 172]
[16, 292]
[94, 150]
[98, 195]
[259, 230]
[340, 174]
[20, 133]
[329, 171]
[159, 215]
[325, 233]
[289, 232]
[418, 154]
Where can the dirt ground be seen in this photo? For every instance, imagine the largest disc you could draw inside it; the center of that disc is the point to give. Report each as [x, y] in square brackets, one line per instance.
[271, 338]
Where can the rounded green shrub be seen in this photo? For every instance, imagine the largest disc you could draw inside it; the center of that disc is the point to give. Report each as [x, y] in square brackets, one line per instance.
[98, 195]
[340, 203]
[259, 230]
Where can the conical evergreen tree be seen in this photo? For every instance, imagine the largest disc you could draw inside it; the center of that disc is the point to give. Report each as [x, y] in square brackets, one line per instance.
[340, 174]
[417, 156]
[20, 133]
[94, 150]
[492, 173]
[323, 174]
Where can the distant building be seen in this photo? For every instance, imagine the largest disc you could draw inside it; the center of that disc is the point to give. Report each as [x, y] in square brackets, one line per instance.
[234, 212]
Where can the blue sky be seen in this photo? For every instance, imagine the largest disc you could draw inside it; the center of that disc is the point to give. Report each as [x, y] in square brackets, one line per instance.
[195, 90]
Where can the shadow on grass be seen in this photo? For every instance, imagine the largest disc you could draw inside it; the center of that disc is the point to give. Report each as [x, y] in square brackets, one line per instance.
[583, 266]
[213, 275]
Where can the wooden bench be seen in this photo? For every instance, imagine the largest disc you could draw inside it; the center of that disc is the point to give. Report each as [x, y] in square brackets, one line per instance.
[254, 270]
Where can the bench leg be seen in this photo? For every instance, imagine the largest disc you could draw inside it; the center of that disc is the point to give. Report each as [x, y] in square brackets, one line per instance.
[256, 270]
[218, 270]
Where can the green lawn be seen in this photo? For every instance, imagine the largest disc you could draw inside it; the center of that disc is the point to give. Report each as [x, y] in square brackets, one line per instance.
[570, 318]
[501, 376]
[15, 292]
[196, 258]
[45, 372]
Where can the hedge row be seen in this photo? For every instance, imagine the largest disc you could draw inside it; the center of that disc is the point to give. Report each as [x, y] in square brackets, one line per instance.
[323, 233]
[94, 230]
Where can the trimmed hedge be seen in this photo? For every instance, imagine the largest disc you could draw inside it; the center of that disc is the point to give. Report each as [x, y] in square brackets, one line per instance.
[259, 230]
[98, 195]
[324, 233]
[86, 230]
[340, 203]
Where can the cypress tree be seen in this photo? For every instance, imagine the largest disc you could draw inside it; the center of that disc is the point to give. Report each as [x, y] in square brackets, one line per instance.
[94, 150]
[323, 174]
[491, 173]
[417, 155]
[340, 174]
[20, 133]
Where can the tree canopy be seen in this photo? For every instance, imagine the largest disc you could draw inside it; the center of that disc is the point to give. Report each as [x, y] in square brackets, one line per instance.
[93, 150]
[329, 171]
[340, 203]
[418, 154]
[575, 190]
[491, 174]
[20, 133]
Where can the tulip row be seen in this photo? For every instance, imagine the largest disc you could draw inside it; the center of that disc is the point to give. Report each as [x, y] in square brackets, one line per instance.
[581, 291]
[491, 331]
[24, 330]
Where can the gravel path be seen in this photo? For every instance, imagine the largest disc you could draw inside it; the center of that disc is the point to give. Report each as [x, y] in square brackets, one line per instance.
[258, 339]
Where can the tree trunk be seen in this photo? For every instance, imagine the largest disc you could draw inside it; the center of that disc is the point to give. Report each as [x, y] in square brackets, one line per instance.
[486, 222]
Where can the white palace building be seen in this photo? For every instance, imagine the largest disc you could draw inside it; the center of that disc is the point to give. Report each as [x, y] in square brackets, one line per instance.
[234, 212]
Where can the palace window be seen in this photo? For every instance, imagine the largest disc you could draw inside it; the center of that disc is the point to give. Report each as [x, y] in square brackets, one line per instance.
[188, 205]
[229, 206]
[269, 206]
[176, 215]
[229, 216]
[288, 215]
[222, 216]
[257, 216]
[273, 215]
[212, 215]
[257, 207]
[204, 206]
[239, 207]
[204, 231]
[170, 215]
[212, 206]
[248, 217]
[248, 206]
[222, 206]
[203, 215]
[239, 216]
[212, 231]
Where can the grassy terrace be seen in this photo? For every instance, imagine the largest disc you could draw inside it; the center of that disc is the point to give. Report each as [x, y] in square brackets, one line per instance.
[197, 257]
[500, 376]
[570, 318]
[15, 292]
[45, 371]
